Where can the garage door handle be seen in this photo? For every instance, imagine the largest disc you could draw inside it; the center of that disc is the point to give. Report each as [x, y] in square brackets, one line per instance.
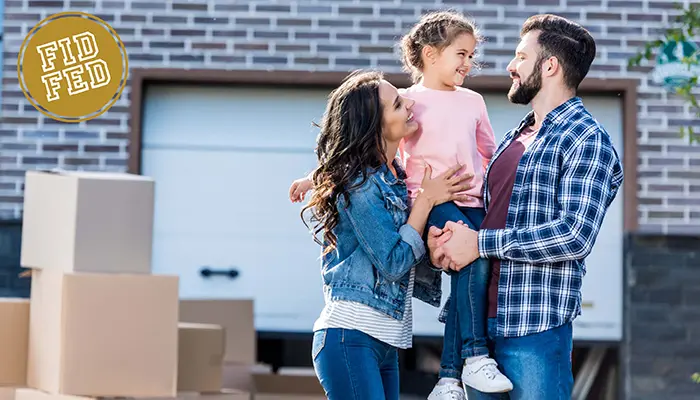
[207, 272]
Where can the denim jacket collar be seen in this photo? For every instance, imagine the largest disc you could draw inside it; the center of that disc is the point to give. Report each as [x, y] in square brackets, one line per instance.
[388, 177]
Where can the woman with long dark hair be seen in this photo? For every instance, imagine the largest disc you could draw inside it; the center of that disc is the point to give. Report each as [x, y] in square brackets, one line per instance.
[371, 239]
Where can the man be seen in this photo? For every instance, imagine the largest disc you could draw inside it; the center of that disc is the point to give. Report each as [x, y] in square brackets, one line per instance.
[546, 191]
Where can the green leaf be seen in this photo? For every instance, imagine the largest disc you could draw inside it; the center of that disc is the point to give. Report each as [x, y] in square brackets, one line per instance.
[647, 54]
[693, 137]
[694, 102]
[634, 61]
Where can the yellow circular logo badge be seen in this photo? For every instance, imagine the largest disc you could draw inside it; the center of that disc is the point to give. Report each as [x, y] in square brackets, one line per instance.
[72, 66]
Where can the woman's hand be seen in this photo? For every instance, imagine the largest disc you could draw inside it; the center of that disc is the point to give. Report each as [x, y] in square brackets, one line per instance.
[462, 247]
[437, 238]
[445, 187]
[299, 188]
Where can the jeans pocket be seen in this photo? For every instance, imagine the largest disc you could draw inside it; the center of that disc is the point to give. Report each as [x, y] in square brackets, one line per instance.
[318, 344]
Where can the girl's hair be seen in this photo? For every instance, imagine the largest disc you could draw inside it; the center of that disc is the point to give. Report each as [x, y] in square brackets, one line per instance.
[350, 143]
[438, 29]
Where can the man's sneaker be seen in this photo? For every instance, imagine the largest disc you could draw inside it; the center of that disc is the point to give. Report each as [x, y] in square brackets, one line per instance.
[483, 375]
[448, 391]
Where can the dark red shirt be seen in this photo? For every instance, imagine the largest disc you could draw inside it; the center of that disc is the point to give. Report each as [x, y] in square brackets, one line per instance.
[500, 183]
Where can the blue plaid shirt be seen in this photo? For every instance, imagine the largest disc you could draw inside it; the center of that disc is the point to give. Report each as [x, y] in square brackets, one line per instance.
[564, 184]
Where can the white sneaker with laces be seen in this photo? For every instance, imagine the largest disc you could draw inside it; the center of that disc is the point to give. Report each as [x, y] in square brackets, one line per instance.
[483, 375]
[448, 391]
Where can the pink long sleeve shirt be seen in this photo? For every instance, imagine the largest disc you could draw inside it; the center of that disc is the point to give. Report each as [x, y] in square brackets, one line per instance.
[454, 128]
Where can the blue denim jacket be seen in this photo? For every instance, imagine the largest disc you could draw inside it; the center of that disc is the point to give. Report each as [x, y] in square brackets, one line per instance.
[376, 249]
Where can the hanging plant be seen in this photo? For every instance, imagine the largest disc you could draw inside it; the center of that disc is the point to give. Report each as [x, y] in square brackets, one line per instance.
[677, 59]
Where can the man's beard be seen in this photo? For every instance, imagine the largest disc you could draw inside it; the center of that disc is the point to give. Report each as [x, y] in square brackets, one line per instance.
[526, 90]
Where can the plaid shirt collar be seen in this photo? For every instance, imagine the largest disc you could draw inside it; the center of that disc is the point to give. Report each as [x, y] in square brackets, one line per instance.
[556, 116]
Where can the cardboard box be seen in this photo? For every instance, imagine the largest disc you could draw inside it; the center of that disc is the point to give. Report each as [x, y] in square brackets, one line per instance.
[103, 334]
[32, 394]
[224, 394]
[237, 376]
[14, 337]
[200, 357]
[88, 222]
[287, 387]
[7, 393]
[235, 316]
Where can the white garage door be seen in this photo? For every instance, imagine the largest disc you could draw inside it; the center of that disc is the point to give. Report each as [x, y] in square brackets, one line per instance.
[223, 159]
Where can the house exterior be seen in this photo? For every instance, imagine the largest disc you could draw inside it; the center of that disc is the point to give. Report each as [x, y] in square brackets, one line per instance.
[261, 70]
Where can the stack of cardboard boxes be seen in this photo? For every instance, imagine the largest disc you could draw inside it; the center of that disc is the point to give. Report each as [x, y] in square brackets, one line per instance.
[99, 323]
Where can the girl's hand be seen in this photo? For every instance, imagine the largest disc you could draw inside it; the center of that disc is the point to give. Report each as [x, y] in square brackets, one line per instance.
[445, 187]
[299, 188]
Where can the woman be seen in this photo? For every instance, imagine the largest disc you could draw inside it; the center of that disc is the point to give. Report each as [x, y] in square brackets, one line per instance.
[371, 240]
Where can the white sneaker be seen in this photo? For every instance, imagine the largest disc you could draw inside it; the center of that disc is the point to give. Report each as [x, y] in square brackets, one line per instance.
[483, 375]
[448, 391]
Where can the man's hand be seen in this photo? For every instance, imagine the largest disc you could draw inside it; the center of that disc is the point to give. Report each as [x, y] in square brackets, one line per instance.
[462, 248]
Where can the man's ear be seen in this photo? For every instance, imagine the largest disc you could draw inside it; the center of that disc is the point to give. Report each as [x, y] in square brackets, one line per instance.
[550, 66]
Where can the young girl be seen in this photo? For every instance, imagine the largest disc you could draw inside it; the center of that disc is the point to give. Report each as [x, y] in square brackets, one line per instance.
[371, 242]
[454, 128]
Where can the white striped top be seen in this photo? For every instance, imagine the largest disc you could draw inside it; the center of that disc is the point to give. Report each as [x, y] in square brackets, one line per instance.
[352, 315]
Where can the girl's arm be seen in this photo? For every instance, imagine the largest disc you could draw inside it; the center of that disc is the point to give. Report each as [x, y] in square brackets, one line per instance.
[299, 188]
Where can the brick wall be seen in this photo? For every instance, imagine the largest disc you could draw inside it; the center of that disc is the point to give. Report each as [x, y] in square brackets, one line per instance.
[662, 348]
[336, 35]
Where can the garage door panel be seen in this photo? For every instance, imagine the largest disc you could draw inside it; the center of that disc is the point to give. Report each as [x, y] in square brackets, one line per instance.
[262, 268]
[601, 317]
[244, 118]
[212, 193]
[229, 209]
[267, 270]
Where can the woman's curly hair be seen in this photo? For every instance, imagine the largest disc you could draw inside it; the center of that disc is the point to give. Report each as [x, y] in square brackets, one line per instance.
[350, 143]
[438, 29]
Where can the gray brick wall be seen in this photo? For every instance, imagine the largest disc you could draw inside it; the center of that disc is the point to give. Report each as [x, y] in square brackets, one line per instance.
[662, 348]
[336, 35]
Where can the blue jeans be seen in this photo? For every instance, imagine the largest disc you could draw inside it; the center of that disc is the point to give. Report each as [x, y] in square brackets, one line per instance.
[465, 328]
[539, 365]
[352, 365]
